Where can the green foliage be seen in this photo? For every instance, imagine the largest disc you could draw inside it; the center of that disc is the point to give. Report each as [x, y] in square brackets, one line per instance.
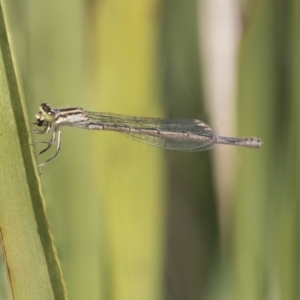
[30, 259]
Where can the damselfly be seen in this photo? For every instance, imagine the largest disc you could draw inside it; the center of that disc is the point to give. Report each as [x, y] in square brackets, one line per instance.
[181, 135]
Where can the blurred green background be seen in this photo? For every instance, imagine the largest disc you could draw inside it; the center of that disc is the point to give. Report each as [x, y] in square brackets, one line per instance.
[134, 222]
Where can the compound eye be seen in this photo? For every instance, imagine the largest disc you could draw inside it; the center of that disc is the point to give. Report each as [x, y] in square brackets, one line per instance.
[47, 112]
[46, 108]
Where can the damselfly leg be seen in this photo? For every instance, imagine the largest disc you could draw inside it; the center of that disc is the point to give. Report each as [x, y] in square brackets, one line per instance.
[56, 138]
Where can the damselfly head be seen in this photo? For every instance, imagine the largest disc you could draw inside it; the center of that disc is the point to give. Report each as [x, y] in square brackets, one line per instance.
[45, 115]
